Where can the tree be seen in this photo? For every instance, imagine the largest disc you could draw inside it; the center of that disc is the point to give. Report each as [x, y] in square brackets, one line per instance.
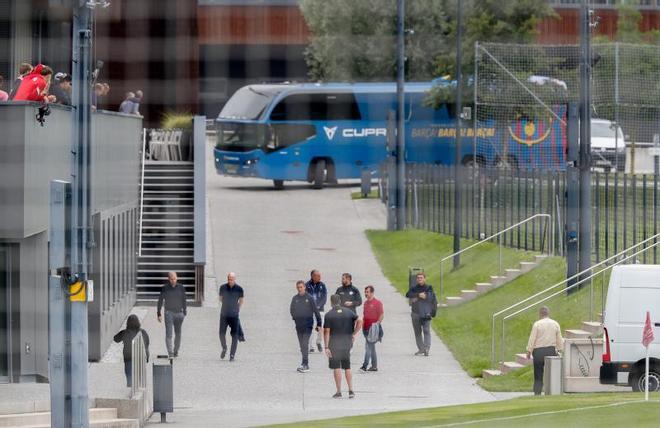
[493, 21]
[356, 40]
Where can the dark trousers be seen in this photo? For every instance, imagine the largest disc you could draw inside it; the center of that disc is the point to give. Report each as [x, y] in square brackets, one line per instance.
[422, 329]
[173, 321]
[128, 371]
[539, 355]
[232, 323]
[303, 340]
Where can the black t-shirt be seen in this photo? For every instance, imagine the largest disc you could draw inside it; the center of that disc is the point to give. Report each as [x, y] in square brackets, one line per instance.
[341, 322]
[230, 296]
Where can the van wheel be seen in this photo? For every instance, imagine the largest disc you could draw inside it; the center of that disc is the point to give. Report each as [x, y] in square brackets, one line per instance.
[639, 380]
[278, 184]
[319, 174]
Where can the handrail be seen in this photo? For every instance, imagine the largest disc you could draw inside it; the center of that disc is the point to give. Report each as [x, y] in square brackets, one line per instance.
[548, 218]
[563, 290]
[140, 386]
[571, 278]
[144, 154]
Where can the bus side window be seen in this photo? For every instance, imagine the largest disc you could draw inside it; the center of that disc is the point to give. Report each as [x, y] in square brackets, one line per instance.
[284, 135]
[317, 106]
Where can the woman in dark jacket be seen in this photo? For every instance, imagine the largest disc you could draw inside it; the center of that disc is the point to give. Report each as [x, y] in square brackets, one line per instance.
[126, 336]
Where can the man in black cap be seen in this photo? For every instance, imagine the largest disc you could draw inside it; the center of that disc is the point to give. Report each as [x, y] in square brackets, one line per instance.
[62, 89]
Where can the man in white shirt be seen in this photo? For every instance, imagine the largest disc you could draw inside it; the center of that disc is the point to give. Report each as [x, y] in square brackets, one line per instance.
[544, 341]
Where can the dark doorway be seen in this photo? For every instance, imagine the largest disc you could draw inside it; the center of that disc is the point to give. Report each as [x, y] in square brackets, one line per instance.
[5, 338]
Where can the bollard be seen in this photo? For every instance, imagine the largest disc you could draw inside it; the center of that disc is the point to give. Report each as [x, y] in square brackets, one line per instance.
[365, 177]
[163, 387]
[552, 376]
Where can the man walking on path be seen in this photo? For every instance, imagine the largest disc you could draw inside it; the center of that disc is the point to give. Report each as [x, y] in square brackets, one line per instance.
[317, 290]
[424, 306]
[174, 296]
[544, 341]
[348, 293]
[231, 297]
[339, 329]
[373, 316]
[303, 311]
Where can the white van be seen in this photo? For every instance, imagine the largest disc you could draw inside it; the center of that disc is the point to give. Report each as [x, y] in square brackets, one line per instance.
[608, 146]
[633, 290]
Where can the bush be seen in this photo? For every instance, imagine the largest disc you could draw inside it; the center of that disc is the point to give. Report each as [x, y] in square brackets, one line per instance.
[176, 120]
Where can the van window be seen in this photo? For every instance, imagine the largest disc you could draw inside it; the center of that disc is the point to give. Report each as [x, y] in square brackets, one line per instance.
[317, 107]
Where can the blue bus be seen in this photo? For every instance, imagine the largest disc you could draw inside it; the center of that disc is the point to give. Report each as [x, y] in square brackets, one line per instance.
[320, 133]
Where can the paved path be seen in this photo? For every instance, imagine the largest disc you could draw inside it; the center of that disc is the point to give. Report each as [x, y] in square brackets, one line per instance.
[272, 238]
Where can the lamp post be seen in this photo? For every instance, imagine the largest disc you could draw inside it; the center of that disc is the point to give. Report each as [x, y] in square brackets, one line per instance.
[459, 127]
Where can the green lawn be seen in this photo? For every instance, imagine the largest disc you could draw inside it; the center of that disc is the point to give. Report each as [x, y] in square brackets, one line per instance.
[583, 410]
[466, 329]
[373, 194]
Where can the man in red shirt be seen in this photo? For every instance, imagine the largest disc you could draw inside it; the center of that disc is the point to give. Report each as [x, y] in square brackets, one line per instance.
[34, 86]
[373, 316]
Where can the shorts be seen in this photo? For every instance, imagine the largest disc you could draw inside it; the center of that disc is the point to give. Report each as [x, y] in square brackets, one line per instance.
[341, 359]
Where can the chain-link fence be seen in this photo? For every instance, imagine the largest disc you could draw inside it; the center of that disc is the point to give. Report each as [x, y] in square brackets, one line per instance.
[523, 89]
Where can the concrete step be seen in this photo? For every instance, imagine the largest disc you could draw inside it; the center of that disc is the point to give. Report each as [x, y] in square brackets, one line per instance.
[540, 257]
[497, 280]
[510, 366]
[589, 384]
[512, 274]
[593, 327]
[577, 334]
[523, 360]
[43, 418]
[527, 266]
[599, 317]
[490, 373]
[453, 300]
[468, 294]
[483, 287]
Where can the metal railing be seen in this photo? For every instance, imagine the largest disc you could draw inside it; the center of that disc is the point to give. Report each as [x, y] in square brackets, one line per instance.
[144, 157]
[579, 277]
[498, 235]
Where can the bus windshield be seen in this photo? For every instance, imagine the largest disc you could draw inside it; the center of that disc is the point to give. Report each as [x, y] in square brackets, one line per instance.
[249, 102]
[241, 137]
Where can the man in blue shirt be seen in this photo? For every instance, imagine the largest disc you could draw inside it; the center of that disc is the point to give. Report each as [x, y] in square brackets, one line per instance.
[317, 290]
[231, 297]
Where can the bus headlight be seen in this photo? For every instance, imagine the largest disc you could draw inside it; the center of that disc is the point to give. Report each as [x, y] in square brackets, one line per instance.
[251, 162]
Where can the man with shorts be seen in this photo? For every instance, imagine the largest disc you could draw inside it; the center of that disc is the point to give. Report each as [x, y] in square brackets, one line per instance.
[339, 329]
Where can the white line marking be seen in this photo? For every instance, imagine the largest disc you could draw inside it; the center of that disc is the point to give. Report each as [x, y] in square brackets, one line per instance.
[508, 418]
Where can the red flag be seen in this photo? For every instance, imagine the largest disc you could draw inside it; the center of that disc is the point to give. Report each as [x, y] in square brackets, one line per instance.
[647, 337]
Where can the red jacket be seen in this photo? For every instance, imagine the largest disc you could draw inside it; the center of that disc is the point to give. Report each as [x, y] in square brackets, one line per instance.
[33, 87]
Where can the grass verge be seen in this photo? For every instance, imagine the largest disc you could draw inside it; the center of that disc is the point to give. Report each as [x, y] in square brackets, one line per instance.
[358, 195]
[584, 410]
[466, 329]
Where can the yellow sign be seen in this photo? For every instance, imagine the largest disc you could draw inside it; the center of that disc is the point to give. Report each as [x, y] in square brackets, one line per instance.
[77, 292]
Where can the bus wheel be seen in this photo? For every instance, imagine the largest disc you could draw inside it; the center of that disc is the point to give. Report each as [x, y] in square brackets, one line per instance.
[279, 184]
[319, 174]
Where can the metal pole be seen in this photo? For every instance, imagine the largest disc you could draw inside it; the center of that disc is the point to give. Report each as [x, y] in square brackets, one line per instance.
[584, 235]
[616, 106]
[459, 127]
[572, 195]
[400, 138]
[80, 216]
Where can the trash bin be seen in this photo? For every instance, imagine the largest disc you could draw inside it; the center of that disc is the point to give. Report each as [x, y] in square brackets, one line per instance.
[163, 387]
[552, 376]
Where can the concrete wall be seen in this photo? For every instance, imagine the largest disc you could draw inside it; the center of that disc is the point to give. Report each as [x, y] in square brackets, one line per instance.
[30, 157]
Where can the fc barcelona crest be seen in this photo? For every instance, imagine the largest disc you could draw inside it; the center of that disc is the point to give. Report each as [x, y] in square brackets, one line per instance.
[529, 132]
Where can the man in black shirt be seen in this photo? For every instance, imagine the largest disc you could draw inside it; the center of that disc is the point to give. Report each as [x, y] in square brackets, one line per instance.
[231, 297]
[174, 296]
[423, 308]
[349, 294]
[303, 310]
[339, 329]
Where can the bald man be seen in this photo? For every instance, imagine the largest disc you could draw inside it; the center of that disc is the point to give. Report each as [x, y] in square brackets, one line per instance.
[231, 297]
[173, 295]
